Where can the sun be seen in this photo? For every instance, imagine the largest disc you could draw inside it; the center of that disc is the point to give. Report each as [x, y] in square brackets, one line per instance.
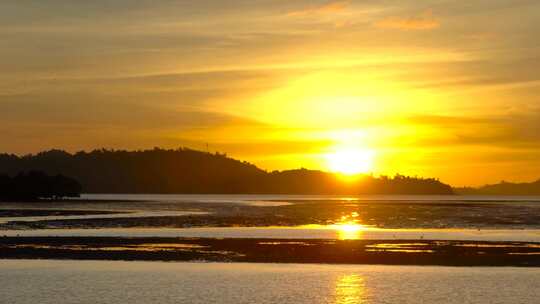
[350, 161]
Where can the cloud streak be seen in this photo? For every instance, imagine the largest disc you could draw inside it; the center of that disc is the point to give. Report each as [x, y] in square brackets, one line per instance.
[425, 21]
[331, 7]
[511, 130]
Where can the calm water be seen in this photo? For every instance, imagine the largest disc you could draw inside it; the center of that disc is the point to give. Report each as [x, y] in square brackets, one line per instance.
[525, 235]
[248, 198]
[152, 205]
[134, 214]
[48, 282]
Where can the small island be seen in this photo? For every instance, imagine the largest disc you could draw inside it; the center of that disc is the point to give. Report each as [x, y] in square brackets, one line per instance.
[36, 185]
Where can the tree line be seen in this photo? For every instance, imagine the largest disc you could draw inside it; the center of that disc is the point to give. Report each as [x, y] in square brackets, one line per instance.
[35, 185]
[194, 172]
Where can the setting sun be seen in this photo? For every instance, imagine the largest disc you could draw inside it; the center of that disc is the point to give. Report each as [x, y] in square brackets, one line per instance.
[350, 161]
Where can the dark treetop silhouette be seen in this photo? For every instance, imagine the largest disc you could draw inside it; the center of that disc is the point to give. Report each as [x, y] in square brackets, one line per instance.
[37, 185]
[189, 171]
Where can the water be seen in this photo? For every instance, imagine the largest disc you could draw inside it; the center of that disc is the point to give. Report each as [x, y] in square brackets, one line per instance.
[155, 205]
[47, 282]
[133, 214]
[268, 198]
[52, 282]
[526, 235]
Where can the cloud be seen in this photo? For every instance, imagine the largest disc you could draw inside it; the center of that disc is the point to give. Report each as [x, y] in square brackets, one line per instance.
[511, 130]
[257, 148]
[330, 7]
[425, 21]
[447, 121]
[94, 110]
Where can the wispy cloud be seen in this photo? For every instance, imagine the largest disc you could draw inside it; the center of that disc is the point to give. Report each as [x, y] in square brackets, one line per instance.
[448, 121]
[330, 7]
[513, 130]
[425, 21]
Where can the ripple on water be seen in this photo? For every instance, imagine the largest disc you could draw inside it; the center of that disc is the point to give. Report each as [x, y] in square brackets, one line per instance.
[48, 282]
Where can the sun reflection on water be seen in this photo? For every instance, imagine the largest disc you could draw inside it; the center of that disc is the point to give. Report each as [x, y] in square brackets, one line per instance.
[349, 230]
[348, 227]
[350, 289]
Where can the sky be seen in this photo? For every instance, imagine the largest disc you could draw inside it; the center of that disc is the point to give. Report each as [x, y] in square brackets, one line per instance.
[446, 89]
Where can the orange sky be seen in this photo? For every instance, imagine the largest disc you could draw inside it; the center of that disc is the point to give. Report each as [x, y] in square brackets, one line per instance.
[447, 89]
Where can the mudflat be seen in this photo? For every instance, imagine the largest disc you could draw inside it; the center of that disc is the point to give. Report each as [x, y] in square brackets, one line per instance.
[389, 252]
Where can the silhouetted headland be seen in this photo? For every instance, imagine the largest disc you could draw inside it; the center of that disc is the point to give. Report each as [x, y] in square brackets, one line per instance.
[186, 171]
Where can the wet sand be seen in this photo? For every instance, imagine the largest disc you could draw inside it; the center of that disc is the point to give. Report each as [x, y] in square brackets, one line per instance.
[381, 214]
[389, 252]
[10, 213]
[393, 232]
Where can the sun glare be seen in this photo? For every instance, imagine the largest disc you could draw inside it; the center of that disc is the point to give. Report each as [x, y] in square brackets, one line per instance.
[350, 161]
[350, 227]
[349, 230]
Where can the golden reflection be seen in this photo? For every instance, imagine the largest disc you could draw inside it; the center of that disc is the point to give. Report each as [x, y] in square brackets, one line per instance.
[348, 227]
[349, 230]
[350, 289]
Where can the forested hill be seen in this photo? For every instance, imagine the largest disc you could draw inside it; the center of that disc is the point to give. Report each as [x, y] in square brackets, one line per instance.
[504, 188]
[189, 171]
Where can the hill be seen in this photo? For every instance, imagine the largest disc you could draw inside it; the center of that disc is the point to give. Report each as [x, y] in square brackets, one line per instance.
[194, 172]
[503, 188]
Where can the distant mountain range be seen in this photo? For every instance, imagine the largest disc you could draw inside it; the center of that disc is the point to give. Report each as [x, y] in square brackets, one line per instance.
[186, 171]
[503, 188]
